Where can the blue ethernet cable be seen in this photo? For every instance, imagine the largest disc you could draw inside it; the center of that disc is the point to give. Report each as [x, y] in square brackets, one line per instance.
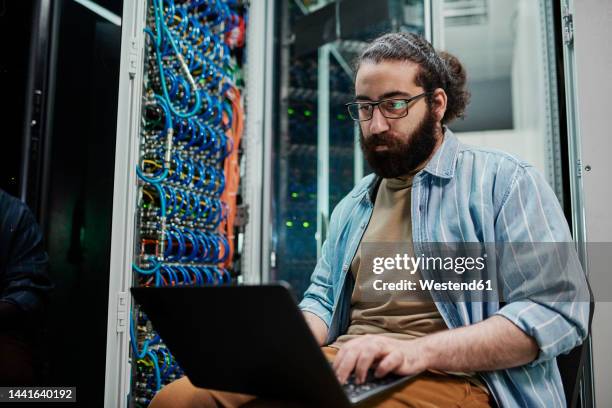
[221, 186]
[212, 175]
[173, 200]
[226, 277]
[154, 269]
[186, 277]
[174, 86]
[198, 275]
[151, 180]
[153, 358]
[219, 274]
[206, 245]
[160, 26]
[188, 234]
[225, 244]
[181, 242]
[172, 278]
[215, 246]
[180, 130]
[208, 209]
[164, 360]
[169, 246]
[200, 182]
[209, 276]
[187, 212]
[217, 212]
[191, 127]
[146, 343]
[190, 170]
[169, 365]
[227, 108]
[207, 138]
[196, 208]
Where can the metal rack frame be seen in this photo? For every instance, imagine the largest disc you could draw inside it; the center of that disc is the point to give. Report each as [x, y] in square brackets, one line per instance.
[118, 366]
[258, 142]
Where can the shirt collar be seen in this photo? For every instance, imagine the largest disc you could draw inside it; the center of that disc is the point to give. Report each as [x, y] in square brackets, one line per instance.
[444, 160]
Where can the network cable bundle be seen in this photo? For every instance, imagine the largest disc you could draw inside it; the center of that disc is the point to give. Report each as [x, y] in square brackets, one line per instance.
[192, 121]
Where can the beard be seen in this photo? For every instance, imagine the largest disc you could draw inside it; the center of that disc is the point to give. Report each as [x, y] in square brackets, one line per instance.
[403, 155]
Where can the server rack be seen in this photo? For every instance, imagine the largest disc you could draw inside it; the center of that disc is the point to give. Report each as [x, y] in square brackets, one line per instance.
[316, 150]
[170, 207]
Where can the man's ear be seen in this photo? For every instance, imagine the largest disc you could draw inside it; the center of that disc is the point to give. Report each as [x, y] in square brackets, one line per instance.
[439, 104]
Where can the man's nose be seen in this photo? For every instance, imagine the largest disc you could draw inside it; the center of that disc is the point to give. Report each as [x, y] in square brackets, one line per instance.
[378, 123]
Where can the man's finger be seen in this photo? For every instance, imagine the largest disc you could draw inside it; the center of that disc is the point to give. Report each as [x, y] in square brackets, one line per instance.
[364, 362]
[346, 364]
[338, 358]
[390, 363]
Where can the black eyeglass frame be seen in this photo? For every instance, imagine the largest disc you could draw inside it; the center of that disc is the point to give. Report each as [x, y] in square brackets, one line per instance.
[377, 103]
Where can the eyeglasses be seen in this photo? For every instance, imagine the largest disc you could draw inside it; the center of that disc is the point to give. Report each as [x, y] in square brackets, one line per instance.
[390, 108]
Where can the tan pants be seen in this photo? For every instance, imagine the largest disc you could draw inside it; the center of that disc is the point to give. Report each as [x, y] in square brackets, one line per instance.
[427, 390]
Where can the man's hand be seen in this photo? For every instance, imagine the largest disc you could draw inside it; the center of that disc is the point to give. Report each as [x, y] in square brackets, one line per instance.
[493, 344]
[397, 356]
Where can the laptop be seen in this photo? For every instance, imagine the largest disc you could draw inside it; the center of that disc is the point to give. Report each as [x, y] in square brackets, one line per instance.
[251, 340]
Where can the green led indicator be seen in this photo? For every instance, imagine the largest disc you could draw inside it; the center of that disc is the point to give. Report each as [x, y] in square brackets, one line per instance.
[307, 113]
[306, 224]
[294, 195]
[146, 206]
[289, 223]
[341, 116]
[290, 111]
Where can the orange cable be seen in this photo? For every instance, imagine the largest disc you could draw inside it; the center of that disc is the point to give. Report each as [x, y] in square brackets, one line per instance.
[232, 172]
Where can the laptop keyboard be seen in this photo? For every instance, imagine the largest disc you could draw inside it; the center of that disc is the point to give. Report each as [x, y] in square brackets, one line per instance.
[371, 386]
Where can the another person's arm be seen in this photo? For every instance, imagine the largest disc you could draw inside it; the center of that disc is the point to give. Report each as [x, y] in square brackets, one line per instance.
[24, 283]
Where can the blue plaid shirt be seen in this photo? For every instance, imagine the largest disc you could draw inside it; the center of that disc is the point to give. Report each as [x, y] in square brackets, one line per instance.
[471, 194]
[23, 261]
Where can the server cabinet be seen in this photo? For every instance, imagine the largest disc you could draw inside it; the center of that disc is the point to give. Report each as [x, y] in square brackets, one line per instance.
[67, 180]
[177, 196]
[317, 158]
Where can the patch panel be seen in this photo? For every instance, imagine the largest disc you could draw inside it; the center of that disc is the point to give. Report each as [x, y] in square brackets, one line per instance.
[188, 168]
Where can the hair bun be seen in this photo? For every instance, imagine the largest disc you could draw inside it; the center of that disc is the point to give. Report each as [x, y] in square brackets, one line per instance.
[457, 94]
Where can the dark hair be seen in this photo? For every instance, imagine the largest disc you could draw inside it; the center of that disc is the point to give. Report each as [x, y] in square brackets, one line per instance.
[436, 69]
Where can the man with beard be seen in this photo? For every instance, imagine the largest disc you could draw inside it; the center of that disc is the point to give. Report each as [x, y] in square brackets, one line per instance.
[428, 187]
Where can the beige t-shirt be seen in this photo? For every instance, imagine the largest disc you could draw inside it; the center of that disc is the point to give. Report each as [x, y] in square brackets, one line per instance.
[393, 317]
[391, 222]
